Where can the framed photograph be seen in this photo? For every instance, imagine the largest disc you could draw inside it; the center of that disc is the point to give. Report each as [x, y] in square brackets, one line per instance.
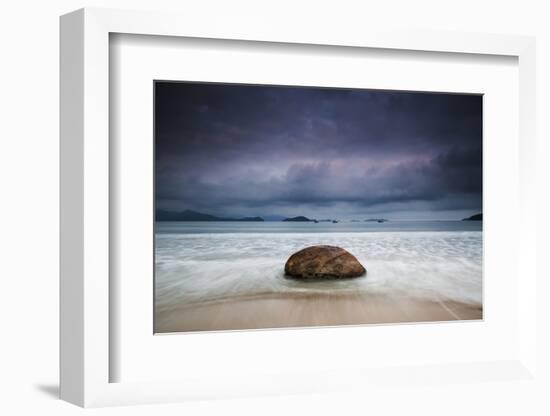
[237, 207]
[389, 182]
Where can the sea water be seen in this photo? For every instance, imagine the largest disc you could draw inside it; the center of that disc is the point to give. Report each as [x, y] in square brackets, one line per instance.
[208, 261]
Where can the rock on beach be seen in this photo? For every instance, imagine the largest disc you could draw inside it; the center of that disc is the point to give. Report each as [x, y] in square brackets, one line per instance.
[323, 262]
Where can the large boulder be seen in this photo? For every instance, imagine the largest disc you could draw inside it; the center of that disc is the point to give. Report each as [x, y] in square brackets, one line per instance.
[323, 262]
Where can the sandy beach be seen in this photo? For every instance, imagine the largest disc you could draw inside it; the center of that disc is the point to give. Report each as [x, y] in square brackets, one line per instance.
[306, 310]
[232, 277]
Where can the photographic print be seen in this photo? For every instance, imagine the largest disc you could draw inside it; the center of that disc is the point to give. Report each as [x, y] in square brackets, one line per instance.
[291, 206]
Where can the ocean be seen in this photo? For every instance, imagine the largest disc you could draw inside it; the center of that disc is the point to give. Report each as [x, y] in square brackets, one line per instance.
[197, 262]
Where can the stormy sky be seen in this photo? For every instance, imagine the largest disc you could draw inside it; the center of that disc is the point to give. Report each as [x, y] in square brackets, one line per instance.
[238, 150]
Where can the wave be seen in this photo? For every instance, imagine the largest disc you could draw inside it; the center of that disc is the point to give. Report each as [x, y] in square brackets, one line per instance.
[191, 268]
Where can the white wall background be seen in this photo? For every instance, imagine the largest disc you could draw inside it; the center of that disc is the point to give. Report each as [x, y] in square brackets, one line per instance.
[29, 205]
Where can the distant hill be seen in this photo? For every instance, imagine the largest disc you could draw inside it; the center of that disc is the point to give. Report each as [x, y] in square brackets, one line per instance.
[298, 219]
[376, 220]
[189, 215]
[258, 219]
[273, 217]
[477, 217]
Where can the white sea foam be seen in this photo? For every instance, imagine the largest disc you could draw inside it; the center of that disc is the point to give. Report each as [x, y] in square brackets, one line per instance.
[429, 265]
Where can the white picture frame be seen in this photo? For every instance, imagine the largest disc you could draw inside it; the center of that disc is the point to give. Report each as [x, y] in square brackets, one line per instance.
[85, 220]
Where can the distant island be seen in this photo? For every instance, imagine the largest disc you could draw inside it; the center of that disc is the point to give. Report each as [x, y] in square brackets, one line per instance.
[476, 217]
[301, 218]
[189, 215]
[272, 217]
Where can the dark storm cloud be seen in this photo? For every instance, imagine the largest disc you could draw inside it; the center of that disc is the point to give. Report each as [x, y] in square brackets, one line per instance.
[242, 150]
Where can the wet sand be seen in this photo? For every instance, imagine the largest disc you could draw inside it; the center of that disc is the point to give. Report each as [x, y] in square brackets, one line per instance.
[276, 311]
